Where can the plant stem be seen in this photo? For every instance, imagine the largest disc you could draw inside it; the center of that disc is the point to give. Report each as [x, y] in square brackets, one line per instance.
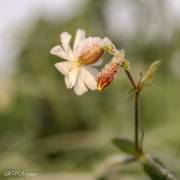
[131, 79]
[136, 115]
[136, 121]
[152, 166]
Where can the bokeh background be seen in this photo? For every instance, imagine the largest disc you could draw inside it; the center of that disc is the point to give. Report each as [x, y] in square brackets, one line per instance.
[47, 129]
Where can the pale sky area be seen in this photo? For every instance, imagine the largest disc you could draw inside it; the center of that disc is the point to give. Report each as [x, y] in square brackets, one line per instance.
[17, 13]
[125, 12]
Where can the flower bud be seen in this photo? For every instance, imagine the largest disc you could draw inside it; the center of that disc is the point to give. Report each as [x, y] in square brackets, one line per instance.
[90, 50]
[109, 73]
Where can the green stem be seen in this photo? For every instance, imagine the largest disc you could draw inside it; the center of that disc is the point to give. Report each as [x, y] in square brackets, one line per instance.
[155, 169]
[152, 166]
[131, 79]
[136, 121]
[136, 114]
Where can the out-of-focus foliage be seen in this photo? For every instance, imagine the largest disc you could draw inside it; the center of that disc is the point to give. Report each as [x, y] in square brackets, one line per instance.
[46, 127]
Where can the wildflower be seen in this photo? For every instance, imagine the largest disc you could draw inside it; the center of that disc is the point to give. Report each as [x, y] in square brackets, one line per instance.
[109, 72]
[79, 68]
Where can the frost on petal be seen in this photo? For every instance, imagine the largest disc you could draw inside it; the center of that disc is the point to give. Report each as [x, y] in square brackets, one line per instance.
[80, 35]
[58, 51]
[64, 67]
[80, 88]
[70, 78]
[89, 77]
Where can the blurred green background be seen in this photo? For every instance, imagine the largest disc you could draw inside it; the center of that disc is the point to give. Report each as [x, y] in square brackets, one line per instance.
[47, 129]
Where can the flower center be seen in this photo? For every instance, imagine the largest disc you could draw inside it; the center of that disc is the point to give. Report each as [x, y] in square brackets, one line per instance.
[77, 64]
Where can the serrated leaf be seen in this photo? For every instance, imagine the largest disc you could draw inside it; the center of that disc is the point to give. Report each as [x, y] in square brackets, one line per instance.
[151, 71]
[125, 145]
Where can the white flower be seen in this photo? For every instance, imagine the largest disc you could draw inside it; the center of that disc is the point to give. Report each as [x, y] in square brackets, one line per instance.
[79, 68]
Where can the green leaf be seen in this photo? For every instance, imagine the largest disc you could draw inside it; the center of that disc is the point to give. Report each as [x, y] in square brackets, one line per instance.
[151, 72]
[125, 145]
[155, 169]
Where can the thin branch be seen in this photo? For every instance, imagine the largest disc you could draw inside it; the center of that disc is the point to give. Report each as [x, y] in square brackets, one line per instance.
[131, 79]
[136, 115]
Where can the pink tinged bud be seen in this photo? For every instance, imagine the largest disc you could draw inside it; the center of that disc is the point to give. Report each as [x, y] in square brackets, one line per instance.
[90, 51]
[108, 73]
[107, 76]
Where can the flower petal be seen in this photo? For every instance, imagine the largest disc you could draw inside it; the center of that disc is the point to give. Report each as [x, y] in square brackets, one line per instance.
[98, 63]
[88, 75]
[65, 40]
[58, 51]
[80, 87]
[63, 67]
[80, 35]
[71, 78]
[92, 70]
